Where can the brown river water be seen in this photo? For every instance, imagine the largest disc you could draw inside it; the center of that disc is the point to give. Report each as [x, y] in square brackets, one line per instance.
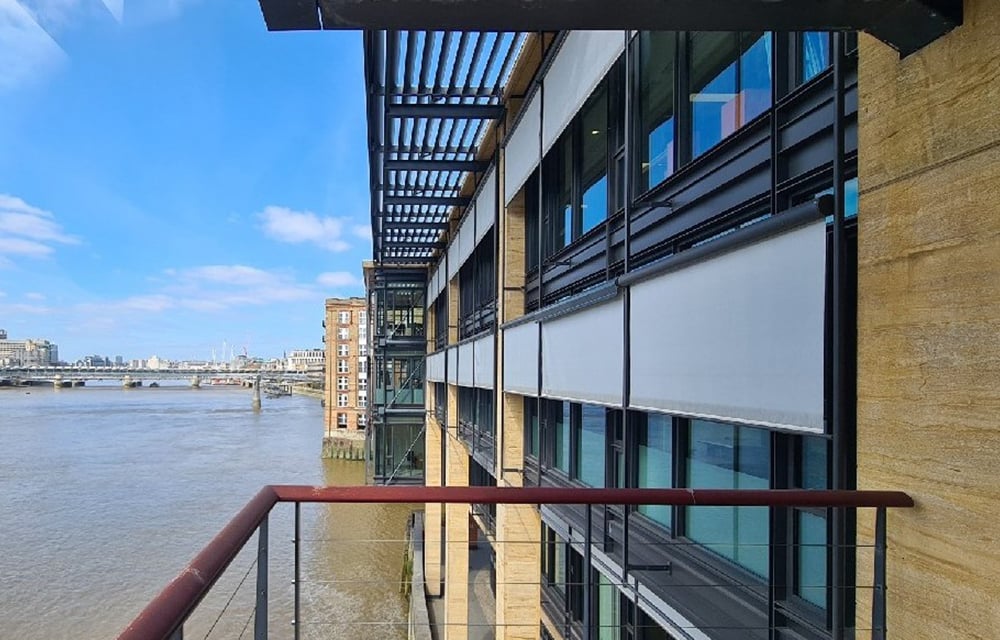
[106, 493]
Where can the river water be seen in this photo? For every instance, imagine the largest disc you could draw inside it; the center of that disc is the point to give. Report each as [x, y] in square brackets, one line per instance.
[106, 493]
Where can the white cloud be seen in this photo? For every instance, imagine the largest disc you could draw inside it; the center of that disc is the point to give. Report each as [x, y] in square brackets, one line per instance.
[338, 279]
[28, 231]
[363, 231]
[297, 227]
[34, 296]
[27, 51]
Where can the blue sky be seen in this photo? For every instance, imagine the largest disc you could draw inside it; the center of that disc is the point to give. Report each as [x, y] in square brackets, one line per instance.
[173, 176]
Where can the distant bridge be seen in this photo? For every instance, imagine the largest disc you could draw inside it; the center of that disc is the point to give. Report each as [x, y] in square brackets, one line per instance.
[54, 374]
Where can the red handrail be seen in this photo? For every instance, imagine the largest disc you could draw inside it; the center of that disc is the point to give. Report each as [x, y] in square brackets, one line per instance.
[168, 611]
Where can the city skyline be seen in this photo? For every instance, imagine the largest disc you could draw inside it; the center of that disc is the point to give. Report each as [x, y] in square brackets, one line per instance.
[162, 186]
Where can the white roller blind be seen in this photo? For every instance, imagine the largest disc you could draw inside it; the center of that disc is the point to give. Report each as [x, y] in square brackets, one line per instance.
[486, 205]
[465, 364]
[521, 155]
[738, 337]
[483, 355]
[520, 359]
[435, 367]
[582, 355]
[453, 365]
[454, 260]
[442, 277]
[466, 239]
[582, 62]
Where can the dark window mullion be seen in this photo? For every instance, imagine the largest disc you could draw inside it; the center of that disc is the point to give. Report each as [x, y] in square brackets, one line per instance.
[682, 103]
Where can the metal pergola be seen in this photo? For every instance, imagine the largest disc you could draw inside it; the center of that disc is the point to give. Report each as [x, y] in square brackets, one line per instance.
[431, 96]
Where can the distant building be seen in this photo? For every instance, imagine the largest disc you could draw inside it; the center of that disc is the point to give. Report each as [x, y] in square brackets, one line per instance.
[138, 363]
[27, 353]
[157, 363]
[346, 395]
[305, 361]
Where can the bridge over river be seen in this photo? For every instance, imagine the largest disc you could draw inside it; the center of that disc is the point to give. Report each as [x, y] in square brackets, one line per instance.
[77, 376]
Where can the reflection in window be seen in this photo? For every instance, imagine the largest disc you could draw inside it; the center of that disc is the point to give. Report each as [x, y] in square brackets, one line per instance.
[654, 434]
[656, 107]
[608, 620]
[561, 431]
[594, 158]
[815, 53]
[591, 446]
[730, 83]
[810, 524]
[722, 456]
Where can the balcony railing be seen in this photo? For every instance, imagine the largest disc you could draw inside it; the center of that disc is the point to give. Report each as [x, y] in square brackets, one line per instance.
[165, 616]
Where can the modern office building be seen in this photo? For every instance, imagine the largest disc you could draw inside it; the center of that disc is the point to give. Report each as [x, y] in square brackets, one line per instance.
[697, 258]
[306, 361]
[346, 380]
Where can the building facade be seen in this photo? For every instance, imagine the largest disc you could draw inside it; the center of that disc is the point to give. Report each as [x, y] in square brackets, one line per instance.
[346, 394]
[27, 353]
[306, 361]
[703, 259]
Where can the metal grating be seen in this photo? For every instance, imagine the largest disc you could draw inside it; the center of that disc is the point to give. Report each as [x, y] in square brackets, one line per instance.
[431, 96]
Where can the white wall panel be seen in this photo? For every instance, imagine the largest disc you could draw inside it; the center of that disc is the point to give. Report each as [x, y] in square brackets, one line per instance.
[521, 155]
[582, 62]
[738, 337]
[486, 205]
[454, 262]
[465, 364]
[582, 355]
[442, 277]
[453, 365]
[435, 367]
[483, 356]
[520, 359]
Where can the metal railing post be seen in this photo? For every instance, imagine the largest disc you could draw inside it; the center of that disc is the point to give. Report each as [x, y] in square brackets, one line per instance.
[878, 584]
[260, 612]
[588, 622]
[298, 565]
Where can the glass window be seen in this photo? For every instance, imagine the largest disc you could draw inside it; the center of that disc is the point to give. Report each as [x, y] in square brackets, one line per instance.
[814, 53]
[655, 437]
[590, 446]
[655, 139]
[730, 83]
[342, 400]
[608, 620]
[561, 426]
[531, 415]
[345, 317]
[531, 223]
[810, 525]
[594, 158]
[343, 334]
[343, 350]
[722, 456]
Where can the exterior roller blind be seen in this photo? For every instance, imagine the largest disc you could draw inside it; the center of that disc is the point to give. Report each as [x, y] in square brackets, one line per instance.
[520, 359]
[582, 355]
[583, 60]
[738, 337]
[486, 205]
[435, 367]
[466, 240]
[465, 364]
[453, 365]
[521, 155]
[483, 356]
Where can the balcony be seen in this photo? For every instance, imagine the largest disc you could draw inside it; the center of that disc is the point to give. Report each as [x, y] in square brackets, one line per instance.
[579, 592]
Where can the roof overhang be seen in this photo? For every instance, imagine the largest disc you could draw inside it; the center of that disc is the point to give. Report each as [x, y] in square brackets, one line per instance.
[905, 25]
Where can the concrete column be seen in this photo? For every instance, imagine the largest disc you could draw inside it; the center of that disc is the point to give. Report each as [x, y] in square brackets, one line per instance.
[456, 589]
[433, 511]
[518, 609]
[196, 382]
[255, 403]
[928, 325]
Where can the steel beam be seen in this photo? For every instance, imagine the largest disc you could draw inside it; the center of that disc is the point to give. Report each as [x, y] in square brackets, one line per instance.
[445, 201]
[432, 226]
[445, 110]
[436, 165]
[905, 25]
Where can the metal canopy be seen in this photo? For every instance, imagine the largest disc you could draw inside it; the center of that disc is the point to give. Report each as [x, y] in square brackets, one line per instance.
[905, 25]
[431, 95]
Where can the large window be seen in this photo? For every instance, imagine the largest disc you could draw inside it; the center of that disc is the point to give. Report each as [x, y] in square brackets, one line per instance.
[810, 526]
[723, 456]
[531, 429]
[655, 153]
[477, 290]
[575, 178]
[441, 320]
[590, 445]
[655, 461]
[730, 74]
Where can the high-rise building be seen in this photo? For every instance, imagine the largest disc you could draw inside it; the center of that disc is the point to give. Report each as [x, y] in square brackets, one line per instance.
[346, 397]
[27, 353]
[698, 259]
